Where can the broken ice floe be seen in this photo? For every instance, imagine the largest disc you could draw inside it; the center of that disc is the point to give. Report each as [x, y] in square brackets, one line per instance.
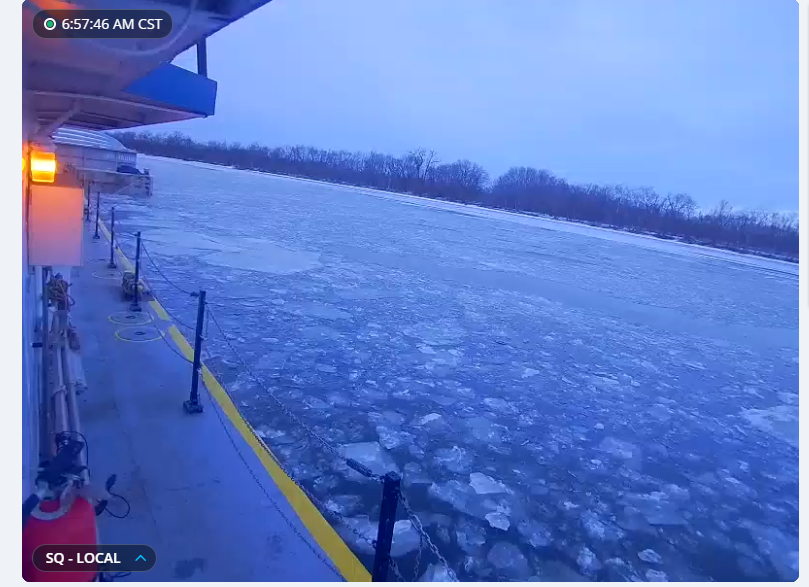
[413, 475]
[405, 537]
[470, 536]
[507, 558]
[370, 454]
[537, 534]
[498, 519]
[390, 438]
[587, 561]
[438, 573]
[456, 459]
[599, 529]
[483, 484]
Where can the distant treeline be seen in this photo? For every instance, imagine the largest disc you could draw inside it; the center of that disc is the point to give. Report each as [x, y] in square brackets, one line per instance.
[523, 189]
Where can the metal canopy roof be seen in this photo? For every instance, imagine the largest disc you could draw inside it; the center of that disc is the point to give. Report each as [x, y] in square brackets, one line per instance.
[86, 138]
[115, 83]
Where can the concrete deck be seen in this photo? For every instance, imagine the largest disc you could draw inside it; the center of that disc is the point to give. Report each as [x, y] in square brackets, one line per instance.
[199, 495]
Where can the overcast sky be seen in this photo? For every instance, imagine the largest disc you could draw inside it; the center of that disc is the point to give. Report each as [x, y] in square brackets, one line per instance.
[696, 96]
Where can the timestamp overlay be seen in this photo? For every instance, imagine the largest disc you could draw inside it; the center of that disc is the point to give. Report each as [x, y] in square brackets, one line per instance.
[102, 24]
[102, 558]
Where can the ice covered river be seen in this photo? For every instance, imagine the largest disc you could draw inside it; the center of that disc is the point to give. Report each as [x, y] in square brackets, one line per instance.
[563, 402]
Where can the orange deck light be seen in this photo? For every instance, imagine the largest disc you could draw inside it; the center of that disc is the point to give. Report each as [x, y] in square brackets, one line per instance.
[43, 167]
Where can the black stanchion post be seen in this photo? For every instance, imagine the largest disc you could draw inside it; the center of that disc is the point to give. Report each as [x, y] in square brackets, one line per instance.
[391, 490]
[96, 236]
[111, 264]
[135, 307]
[193, 405]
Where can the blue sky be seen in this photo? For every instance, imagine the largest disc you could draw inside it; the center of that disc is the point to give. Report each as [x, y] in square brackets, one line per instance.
[696, 96]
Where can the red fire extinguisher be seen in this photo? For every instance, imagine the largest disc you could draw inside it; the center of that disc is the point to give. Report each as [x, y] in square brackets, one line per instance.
[57, 522]
[57, 514]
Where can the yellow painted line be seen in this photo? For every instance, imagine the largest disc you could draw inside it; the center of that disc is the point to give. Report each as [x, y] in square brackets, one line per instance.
[348, 564]
[181, 343]
[320, 529]
[160, 310]
[126, 262]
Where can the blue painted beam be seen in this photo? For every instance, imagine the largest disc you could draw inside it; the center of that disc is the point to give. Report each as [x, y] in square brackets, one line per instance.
[177, 88]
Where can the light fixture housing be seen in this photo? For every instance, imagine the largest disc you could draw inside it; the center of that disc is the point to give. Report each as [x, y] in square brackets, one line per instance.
[43, 166]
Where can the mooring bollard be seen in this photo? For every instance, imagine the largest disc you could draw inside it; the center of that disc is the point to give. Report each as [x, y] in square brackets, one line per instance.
[96, 236]
[111, 264]
[391, 490]
[193, 405]
[135, 307]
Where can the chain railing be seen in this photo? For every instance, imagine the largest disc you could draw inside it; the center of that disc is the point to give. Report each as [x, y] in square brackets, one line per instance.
[392, 496]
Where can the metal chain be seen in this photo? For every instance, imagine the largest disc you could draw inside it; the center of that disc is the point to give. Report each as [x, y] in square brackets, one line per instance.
[173, 350]
[325, 443]
[424, 538]
[395, 568]
[292, 526]
[420, 529]
[170, 314]
[163, 275]
[417, 564]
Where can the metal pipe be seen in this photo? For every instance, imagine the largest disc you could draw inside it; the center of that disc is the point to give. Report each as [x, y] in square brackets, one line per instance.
[61, 421]
[71, 402]
[45, 448]
[202, 58]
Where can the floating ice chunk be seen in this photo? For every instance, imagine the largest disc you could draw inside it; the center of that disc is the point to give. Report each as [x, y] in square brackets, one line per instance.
[484, 430]
[405, 538]
[506, 557]
[659, 509]
[780, 421]
[438, 574]
[599, 529]
[529, 372]
[430, 418]
[484, 485]
[555, 571]
[599, 426]
[392, 438]
[587, 561]
[388, 417]
[619, 448]
[414, 476]
[316, 403]
[343, 504]
[780, 548]
[498, 520]
[500, 405]
[427, 350]
[657, 576]
[650, 556]
[454, 493]
[370, 454]
[456, 459]
[537, 534]
[470, 536]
